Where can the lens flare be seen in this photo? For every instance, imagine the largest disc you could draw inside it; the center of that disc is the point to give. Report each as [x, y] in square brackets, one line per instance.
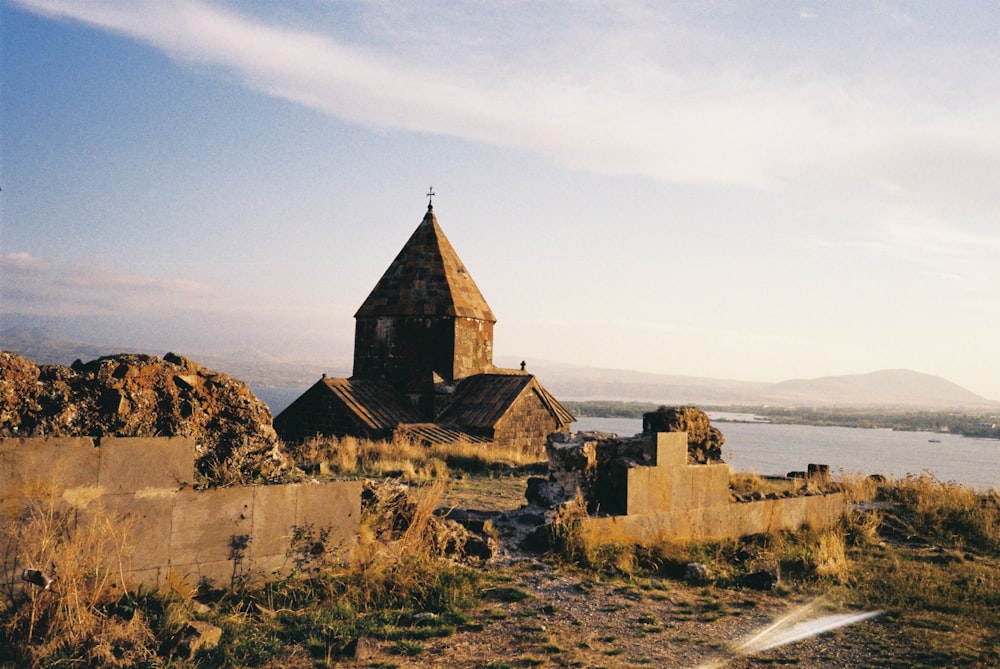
[795, 626]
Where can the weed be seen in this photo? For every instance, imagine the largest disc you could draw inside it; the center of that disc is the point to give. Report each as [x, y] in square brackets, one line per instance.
[409, 648]
[86, 612]
[506, 594]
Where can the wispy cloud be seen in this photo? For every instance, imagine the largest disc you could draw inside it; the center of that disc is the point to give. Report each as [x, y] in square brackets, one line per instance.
[40, 287]
[19, 261]
[610, 98]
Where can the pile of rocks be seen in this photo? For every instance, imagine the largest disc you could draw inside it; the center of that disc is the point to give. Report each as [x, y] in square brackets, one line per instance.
[704, 440]
[130, 395]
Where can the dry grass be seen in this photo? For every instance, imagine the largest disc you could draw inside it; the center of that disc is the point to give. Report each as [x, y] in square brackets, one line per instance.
[404, 457]
[85, 550]
[748, 483]
[947, 513]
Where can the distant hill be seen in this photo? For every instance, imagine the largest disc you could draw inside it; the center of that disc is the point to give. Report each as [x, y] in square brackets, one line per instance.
[888, 387]
[279, 381]
[45, 348]
[897, 388]
[576, 382]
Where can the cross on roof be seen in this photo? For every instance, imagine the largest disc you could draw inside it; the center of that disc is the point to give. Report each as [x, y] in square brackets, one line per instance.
[430, 196]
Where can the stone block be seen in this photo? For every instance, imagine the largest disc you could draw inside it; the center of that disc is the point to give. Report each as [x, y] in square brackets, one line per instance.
[716, 521]
[263, 567]
[214, 575]
[56, 463]
[146, 579]
[684, 525]
[336, 505]
[794, 512]
[145, 522]
[650, 490]
[671, 449]
[638, 483]
[700, 485]
[273, 520]
[131, 464]
[209, 525]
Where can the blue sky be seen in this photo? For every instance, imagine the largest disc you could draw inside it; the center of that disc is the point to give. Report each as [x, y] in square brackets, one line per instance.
[754, 191]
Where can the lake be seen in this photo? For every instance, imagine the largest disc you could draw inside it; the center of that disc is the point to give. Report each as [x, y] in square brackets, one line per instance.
[778, 449]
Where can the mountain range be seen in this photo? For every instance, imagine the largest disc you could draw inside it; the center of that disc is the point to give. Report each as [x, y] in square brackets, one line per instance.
[279, 381]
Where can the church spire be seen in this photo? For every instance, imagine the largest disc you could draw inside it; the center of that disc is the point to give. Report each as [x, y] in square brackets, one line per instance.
[427, 278]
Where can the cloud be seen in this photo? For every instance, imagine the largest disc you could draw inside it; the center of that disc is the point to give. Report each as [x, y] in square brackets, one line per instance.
[43, 288]
[23, 262]
[612, 95]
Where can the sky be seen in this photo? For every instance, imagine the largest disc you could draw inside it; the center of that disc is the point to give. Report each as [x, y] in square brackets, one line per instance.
[755, 191]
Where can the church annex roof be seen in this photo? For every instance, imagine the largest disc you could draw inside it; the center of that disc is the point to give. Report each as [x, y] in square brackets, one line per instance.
[374, 404]
[481, 400]
[427, 278]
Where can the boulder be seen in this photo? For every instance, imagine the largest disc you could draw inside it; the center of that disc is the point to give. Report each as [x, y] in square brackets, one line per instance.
[132, 395]
[704, 441]
[194, 636]
[697, 573]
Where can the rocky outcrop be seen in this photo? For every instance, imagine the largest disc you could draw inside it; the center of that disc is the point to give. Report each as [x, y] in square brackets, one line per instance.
[130, 395]
[704, 440]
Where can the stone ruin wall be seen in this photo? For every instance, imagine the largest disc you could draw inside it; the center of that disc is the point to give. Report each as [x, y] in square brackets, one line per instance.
[643, 489]
[209, 537]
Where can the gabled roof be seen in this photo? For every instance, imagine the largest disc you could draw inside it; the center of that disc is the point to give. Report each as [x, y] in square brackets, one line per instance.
[373, 403]
[427, 278]
[435, 433]
[480, 401]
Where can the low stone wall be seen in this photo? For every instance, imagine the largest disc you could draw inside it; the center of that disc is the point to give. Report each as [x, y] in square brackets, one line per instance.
[208, 537]
[664, 497]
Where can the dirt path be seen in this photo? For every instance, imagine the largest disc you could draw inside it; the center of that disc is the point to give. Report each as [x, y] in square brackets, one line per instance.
[539, 616]
[534, 614]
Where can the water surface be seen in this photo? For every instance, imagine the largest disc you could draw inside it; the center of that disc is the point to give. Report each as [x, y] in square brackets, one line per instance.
[766, 448]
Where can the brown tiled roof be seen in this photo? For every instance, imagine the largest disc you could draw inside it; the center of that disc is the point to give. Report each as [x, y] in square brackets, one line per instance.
[374, 403]
[435, 433]
[480, 401]
[427, 278]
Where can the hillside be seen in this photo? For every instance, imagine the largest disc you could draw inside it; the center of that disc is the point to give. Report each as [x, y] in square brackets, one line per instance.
[889, 387]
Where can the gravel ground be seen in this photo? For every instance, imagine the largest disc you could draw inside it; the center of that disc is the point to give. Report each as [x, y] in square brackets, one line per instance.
[571, 621]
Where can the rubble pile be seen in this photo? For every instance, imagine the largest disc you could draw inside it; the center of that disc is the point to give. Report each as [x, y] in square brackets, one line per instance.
[704, 440]
[131, 395]
[589, 467]
[394, 517]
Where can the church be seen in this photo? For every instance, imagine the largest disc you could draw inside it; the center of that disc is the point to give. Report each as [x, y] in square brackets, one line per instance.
[423, 364]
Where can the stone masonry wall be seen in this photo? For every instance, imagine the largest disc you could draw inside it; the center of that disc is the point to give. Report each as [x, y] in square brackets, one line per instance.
[209, 537]
[658, 495]
[525, 426]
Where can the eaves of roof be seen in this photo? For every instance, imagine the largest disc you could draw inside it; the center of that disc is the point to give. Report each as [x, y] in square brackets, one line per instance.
[374, 404]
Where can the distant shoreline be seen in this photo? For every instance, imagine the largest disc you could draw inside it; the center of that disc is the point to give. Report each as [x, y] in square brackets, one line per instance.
[980, 425]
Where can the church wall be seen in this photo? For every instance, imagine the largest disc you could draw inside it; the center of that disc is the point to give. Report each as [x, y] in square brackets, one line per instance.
[526, 425]
[405, 351]
[473, 347]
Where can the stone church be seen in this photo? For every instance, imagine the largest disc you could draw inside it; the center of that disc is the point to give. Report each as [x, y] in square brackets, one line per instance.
[423, 364]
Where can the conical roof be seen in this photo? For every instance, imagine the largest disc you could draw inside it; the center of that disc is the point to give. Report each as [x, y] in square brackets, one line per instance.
[427, 278]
